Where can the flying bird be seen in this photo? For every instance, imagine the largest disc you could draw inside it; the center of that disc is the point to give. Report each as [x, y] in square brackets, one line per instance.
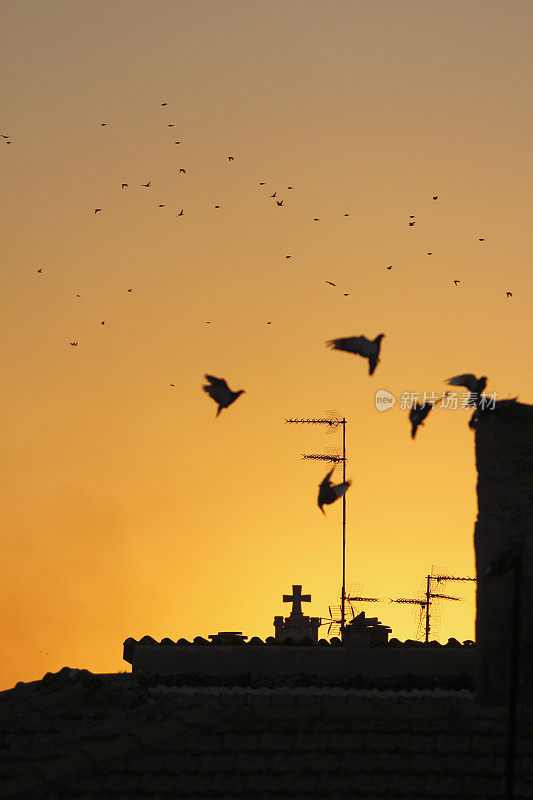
[457, 283]
[346, 215]
[290, 187]
[481, 240]
[170, 125]
[163, 104]
[147, 185]
[331, 283]
[430, 254]
[389, 267]
[130, 290]
[39, 269]
[73, 344]
[96, 210]
[182, 170]
[180, 213]
[217, 206]
[124, 186]
[161, 205]
[435, 197]
[288, 256]
[411, 224]
[103, 124]
[261, 183]
[329, 492]
[279, 202]
[78, 295]
[230, 158]
[316, 219]
[417, 415]
[219, 390]
[360, 346]
[273, 195]
[411, 216]
[177, 142]
[173, 385]
[508, 294]
[346, 294]
[3, 135]
[474, 385]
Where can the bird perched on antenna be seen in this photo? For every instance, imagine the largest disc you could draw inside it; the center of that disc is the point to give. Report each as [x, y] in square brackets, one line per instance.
[474, 385]
[329, 492]
[360, 346]
[219, 390]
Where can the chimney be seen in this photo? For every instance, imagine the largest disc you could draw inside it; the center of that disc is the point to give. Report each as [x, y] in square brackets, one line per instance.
[503, 540]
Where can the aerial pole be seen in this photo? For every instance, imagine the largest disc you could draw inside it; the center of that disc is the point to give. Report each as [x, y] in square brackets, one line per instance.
[333, 421]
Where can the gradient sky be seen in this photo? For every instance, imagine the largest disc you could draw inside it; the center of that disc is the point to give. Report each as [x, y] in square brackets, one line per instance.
[127, 508]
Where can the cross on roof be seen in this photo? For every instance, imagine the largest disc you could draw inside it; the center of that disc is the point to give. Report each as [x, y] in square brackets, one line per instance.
[297, 598]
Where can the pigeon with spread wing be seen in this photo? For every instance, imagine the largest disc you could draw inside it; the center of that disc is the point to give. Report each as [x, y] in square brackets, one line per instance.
[360, 346]
[329, 492]
[219, 390]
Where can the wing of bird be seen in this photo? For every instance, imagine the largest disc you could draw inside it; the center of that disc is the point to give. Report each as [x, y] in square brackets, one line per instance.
[468, 380]
[358, 345]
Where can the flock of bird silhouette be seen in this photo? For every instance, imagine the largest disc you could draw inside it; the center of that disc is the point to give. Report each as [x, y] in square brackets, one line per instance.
[219, 391]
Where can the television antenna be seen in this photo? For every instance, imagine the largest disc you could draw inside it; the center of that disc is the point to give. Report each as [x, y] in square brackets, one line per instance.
[430, 596]
[332, 420]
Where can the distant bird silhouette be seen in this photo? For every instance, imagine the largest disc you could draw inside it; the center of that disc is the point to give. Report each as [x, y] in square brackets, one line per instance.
[217, 206]
[269, 323]
[411, 224]
[147, 185]
[39, 269]
[102, 322]
[329, 492]
[417, 415]
[288, 256]
[316, 219]
[435, 197]
[346, 294]
[273, 195]
[230, 158]
[96, 210]
[331, 283]
[3, 135]
[177, 142]
[411, 216]
[173, 385]
[103, 124]
[163, 104]
[279, 202]
[161, 205]
[290, 187]
[124, 186]
[261, 183]
[180, 213]
[430, 254]
[219, 390]
[457, 283]
[182, 170]
[170, 124]
[78, 295]
[481, 240]
[474, 385]
[390, 266]
[360, 346]
[508, 294]
[130, 290]
[73, 344]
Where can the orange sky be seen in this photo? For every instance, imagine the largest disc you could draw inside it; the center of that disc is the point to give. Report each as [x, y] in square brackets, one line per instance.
[128, 509]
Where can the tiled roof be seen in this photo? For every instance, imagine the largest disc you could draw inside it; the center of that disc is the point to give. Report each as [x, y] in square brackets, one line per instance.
[87, 737]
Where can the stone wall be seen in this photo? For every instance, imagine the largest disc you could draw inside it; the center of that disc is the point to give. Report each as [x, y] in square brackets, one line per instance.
[504, 456]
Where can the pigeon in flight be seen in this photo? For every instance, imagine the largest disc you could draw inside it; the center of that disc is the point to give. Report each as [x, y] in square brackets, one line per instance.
[331, 283]
[219, 390]
[389, 267]
[411, 216]
[290, 187]
[163, 104]
[170, 125]
[180, 213]
[73, 344]
[78, 295]
[3, 135]
[147, 185]
[435, 197]
[474, 385]
[417, 415]
[346, 294]
[177, 142]
[481, 240]
[173, 385]
[346, 215]
[217, 206]
[230, 158]
[102, 322]
[457, 283]
[411, 224]
[39, 269]
[124, 186]
[288, 256]
[161, 205]
[103, 124]
[182, 170]
[261, 183]
[508, 294]
[329, 492]
[96, 210]
[279, 202]
[316, 219]
[130, 290]
[273, 195]
[430, 254]
[360, 346]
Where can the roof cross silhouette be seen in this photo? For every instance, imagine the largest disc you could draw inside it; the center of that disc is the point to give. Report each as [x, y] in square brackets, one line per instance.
[296, 598]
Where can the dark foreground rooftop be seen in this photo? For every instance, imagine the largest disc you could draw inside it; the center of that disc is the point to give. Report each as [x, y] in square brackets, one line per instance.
[79, 735]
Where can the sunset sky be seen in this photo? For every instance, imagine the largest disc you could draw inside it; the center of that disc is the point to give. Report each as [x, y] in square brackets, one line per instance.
[127, 508]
